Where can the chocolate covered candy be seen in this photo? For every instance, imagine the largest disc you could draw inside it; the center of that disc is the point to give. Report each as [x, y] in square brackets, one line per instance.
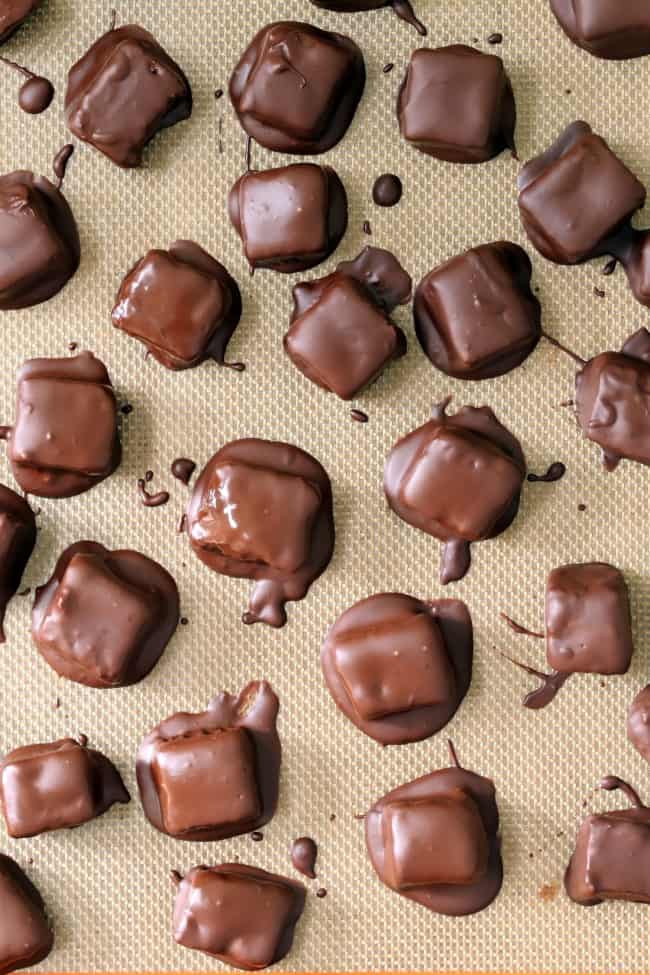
[56, 786]
[611, 861]
[435, 840]
[296, 87]
[475, 315]
[289, 219]
[341, 335]
[403, 9]
[17, 540]
[39, 240]
[104, 618]
[263, 511]
[457, 478]
[25, 935]
[576, 195]
[13, 13]
[212, 775]
[182, 304]
[456, 104]
[638, 723]
[123, 91]
[606, 28]
[399, 667]
[64, 440]
[241, 915]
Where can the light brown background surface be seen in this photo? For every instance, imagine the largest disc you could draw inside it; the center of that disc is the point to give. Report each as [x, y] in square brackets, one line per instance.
[106, 884]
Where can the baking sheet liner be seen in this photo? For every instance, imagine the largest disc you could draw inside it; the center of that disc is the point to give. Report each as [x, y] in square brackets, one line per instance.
[106, 884]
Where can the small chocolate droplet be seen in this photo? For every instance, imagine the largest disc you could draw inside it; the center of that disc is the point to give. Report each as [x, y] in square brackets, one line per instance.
[218, 94]
[35, 95]
[72, 346]
[599, 292]
[321, 892]
[582, 507]
[184, 621]
[387, 191]
[610, 267]
[257, 837]
[388, 67]
[495, 38]
[182, 469]
[359, 416]
[367, 229]
[126, 408]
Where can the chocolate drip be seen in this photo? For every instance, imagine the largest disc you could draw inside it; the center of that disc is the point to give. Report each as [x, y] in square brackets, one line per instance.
[551, 684]
[521, 630]
[60, 163]
[555, 472]
[612, 782]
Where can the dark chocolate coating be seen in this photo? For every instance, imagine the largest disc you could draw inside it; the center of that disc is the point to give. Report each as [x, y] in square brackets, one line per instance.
[182, 304]
[213, 775]
[638, 723]
[403, 9]
[289, 219]
[39, 240]
[435, 840]
[457, 104]
[64, 440]
[56, 786]
[387, 190]
[341, 336]
[607, 28]
[457, 478]
[123, 91]
[304, 853]
[576, 195]
[241, 915]
[262, 510]
[25, 935]
[13, 13]
[475, 315]
[17, 541]
[104, 618]
[296, 87]
[35, 95]
[399, 667]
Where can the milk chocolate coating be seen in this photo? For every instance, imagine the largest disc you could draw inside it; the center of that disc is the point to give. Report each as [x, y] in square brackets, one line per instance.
[25, 935]
[213, 775]
[403, 9]
[399, 667]
[611, 861]
[123, 91]
[435, 840]
[606, 28]
[638, 723]
[241, 915]
[475, 315]
[341, 335]
[289, 219]
[35, 95]
[456, 104]
[457, 478]
[182, 304]
[39, 240]
[575, 196]
[64, 440]
[296, 87]
[13, 13]
[104, 618]
[613, 401]
[56, 786]
[17, 541]
[262, 510]
[304, 853]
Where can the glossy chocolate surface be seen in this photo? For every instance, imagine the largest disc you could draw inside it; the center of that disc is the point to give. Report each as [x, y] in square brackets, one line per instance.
[17, 541]
[457, 478]
[341, 336]
[104, 618]
[13, 13]
[304, 853]
[212, 775]
[123, 91]
[606, 28]
[25, 935]
[435, 840]
[403, 9]
[64, 440]
[456, 104]
[399, 667]
[56, 786]
[289, 219]
[296, 87]
[39, 240]
[262, 510]
[181, 303]
[475, 315]
[241, 915]
[638, 723]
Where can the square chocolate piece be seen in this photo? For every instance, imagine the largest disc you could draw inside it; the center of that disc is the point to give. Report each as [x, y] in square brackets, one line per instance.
[438, 840]
[207, 780]
[612, 858]
[456, 104]
[397, 667]
[123, 91]
[241, 915]
[25, 936]
[588, 627]
[613, 406]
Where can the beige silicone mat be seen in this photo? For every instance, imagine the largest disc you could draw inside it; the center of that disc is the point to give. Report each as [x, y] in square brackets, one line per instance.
[106, 884]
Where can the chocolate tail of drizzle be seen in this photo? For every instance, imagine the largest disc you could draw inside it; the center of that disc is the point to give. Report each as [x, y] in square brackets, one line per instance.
[456, 560]
[521, 630]
[551, 684]
[611, 782]
[404, 10]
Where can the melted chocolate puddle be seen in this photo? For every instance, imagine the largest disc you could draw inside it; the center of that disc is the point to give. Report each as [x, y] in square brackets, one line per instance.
[36, 93]
[555, 472]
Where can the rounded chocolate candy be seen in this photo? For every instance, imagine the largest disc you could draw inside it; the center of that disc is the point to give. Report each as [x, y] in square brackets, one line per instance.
[607, 28]
[638, 723]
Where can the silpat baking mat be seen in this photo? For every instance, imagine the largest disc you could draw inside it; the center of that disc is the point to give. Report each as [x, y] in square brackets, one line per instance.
[107, 884]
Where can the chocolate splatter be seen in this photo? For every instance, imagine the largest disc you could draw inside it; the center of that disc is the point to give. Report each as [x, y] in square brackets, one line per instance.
[151, 500]
[182, 469]
[555, 472]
